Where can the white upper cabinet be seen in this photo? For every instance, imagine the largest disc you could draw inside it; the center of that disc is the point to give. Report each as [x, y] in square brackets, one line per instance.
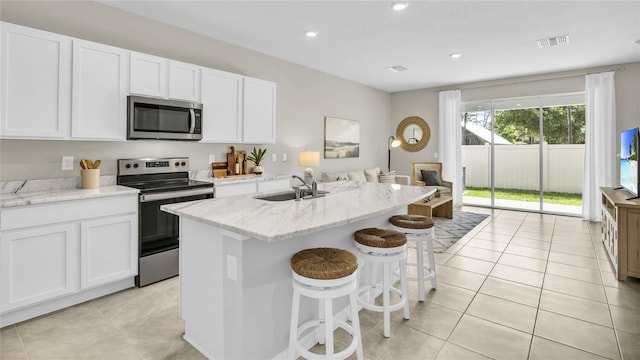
[184, 81]
[35, 75]
[259, 111]
[149, 75]
[100, 84]
[221, 106]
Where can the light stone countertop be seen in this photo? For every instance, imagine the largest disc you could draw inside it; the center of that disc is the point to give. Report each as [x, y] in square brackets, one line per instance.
[49, 196]
[273, 221]
[244, 179]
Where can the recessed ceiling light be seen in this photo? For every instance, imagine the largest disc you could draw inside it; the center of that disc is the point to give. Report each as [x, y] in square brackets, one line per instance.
[399, 5]
[397, 68]
[311, 33]
[455, 55]
[637, 42]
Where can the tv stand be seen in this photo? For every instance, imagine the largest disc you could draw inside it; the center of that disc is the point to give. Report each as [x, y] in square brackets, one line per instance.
[620, 230]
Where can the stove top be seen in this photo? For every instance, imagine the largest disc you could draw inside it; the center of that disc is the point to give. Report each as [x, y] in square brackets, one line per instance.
[157, 174]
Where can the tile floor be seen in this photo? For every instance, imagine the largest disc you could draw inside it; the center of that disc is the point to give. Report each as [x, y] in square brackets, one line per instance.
[518, 286]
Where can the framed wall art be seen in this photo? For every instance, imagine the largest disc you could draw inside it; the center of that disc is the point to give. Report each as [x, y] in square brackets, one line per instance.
[341, 138]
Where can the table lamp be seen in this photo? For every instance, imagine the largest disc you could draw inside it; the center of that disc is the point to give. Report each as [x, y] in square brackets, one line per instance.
[393, 142]
[308, 159]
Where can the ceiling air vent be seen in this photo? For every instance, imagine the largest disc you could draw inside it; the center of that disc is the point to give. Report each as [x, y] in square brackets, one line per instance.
[553, 41]
[397, 68]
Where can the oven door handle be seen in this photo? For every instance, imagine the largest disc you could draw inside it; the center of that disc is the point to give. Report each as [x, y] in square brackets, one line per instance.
[175, 194]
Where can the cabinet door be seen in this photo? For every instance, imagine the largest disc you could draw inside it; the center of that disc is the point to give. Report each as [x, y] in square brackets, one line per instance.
[99, 91]
[38, 264]
[235, 189]
[36, 89]
[259, 125]
[149, 75]
[184, 81]
[108, 250]
[221, 106]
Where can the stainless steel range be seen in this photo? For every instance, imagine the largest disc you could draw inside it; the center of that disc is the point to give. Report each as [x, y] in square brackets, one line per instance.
[161, 181]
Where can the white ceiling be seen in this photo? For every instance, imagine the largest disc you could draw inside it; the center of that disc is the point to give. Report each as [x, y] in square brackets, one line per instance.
[358, 39]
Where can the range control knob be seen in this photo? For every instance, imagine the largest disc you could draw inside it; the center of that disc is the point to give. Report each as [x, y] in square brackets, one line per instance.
[177, 164]
[183, 163]
[135, 166]
[128, 166]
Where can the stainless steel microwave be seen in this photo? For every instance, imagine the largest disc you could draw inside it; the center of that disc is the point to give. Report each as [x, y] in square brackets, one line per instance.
[150, 118]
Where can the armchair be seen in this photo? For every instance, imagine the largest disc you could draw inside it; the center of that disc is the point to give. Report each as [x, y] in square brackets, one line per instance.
[446, 187]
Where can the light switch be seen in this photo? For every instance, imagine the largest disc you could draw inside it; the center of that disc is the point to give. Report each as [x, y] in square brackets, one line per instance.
[212, 158]
[232, 267]
[435, 155]
[284, 157]
[274, 157]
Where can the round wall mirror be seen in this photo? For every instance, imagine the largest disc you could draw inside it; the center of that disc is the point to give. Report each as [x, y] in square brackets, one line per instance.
[413, 133]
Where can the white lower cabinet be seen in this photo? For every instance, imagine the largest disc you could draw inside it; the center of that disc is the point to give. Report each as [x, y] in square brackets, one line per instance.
[59, 254]
[38, 264]
[108, 250]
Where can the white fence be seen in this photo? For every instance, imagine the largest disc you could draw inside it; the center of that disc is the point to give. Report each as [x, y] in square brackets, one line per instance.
[518, 167]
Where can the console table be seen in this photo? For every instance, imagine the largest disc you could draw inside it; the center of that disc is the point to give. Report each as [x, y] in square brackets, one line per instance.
[438, 206]
[621, 231]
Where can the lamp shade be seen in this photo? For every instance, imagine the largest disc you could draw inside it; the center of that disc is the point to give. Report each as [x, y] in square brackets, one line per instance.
[308, 158]
[394, 142]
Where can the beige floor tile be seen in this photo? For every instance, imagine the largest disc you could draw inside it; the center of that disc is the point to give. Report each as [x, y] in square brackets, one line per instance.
[573, 250]
[574, 272]
[631, 284]
[464, 279]
[504, 312]
[537, 235]
[450, 296]
[513, 291]
[601, 252]
[627, 320]
[532, 243]
[563, 258]
[585, 242]
[490, 339]
[503, 229]
[10, 344]
[480, 254]
[487, 245]
[580, 334]
[132, 311]
[441, 258]
[523, 262]
[538, 228]
[576, 307]
[123, 296]
[573, 287]
[606, 266]
[430, 318]
[543, 349]
[630, 345]
[486, 235]
[404, 343]
[527, 251]
[59, 318]
[470, 264]
[454, 352]
[622, 297]
[454, 248]
[523, 276]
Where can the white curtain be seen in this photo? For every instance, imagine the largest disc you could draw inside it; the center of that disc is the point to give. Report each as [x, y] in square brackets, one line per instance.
[450, 140]
[600, 142]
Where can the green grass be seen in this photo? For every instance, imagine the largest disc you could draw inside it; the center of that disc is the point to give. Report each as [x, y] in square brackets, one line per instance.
[527, 195]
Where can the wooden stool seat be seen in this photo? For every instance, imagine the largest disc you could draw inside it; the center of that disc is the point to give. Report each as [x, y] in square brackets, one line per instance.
[380, 238]
[412, 221]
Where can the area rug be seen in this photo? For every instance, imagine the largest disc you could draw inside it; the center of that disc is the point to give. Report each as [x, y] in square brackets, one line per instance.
[448, 231]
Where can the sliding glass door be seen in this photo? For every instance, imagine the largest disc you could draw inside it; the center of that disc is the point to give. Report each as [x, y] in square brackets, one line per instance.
[524, 153]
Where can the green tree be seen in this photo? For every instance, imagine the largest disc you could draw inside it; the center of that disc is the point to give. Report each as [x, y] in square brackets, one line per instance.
[562, 125]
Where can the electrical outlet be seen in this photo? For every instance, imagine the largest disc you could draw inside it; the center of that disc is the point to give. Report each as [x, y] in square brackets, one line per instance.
[212, 158]
[284, 157]
[435, 155]
[67, 163]
[274, 157]
[232, 267]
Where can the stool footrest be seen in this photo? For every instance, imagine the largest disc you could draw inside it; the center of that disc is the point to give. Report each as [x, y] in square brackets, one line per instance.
[339, 355]
[379, 308]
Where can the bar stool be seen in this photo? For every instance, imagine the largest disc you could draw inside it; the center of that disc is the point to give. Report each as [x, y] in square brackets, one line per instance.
[325, 274]
[386, 247]
[418, 229]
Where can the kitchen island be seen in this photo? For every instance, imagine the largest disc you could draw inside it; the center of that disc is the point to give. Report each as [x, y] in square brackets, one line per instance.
[235, 294]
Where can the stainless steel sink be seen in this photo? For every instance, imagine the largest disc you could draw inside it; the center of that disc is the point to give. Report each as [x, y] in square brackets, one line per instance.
[291, 195]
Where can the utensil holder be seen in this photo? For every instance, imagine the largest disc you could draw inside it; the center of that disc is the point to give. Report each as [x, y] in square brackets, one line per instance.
[90, 178]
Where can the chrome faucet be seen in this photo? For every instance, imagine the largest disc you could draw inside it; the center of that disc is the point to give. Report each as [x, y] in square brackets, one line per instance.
[313, 188]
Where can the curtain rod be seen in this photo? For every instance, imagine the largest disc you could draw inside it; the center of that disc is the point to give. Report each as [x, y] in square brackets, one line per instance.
[513, 82]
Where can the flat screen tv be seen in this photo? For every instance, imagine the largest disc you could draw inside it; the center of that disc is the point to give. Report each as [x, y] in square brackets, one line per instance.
[629, 160]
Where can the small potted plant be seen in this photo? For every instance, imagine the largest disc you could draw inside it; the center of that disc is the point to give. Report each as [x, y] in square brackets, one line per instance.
[437, 194]
[256, 156]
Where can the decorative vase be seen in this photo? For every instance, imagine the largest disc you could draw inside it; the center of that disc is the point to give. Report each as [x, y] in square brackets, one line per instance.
[258, 170]
[437, 194]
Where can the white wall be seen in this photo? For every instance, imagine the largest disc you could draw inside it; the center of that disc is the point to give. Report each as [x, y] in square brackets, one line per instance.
[424, 102]
[305, 96]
